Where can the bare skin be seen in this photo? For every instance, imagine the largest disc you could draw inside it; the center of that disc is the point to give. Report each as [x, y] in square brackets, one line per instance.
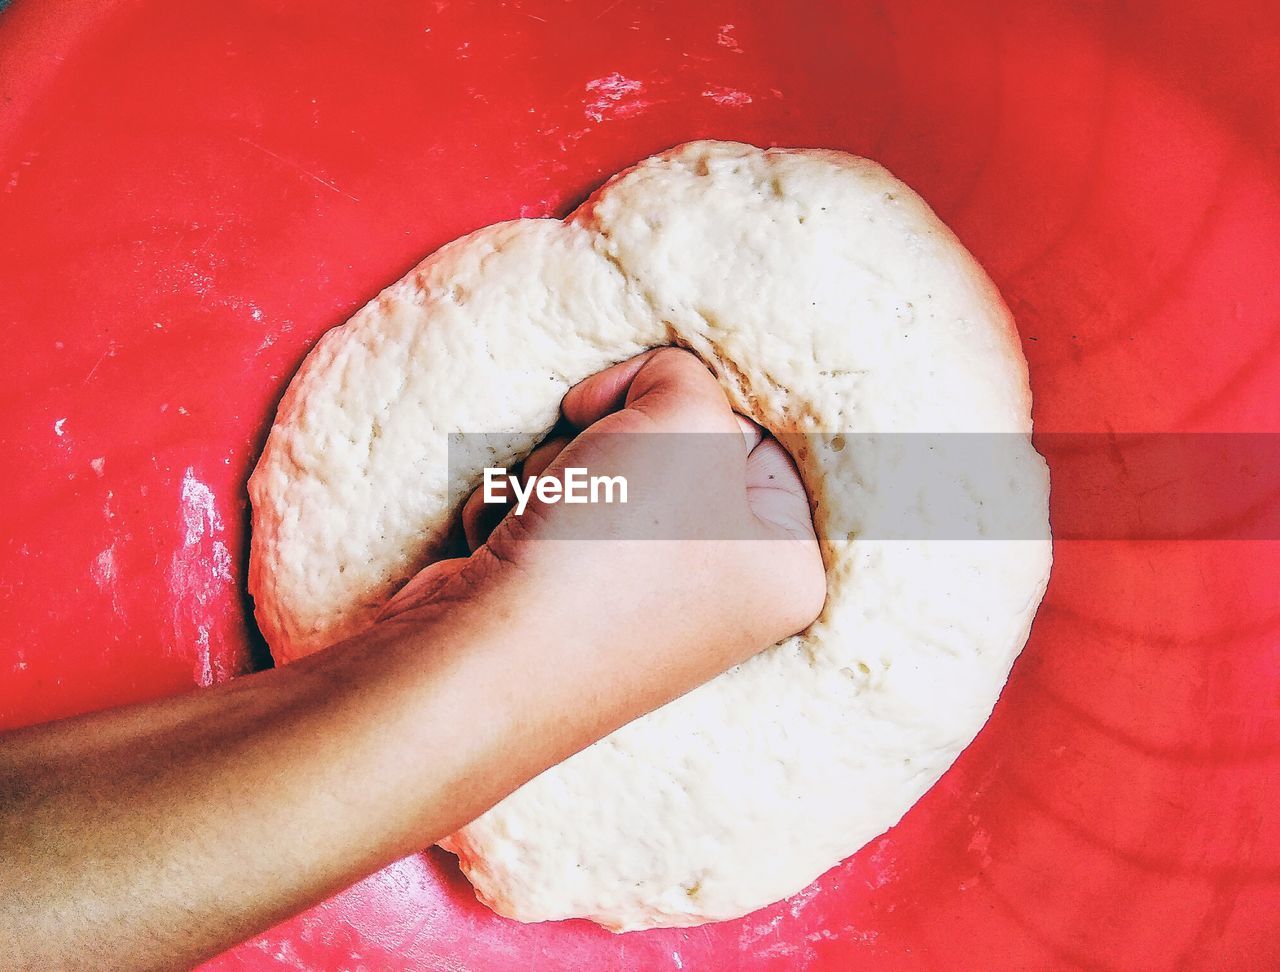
[153, 836]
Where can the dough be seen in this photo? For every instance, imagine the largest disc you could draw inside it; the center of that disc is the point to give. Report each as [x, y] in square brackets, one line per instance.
[831, 303]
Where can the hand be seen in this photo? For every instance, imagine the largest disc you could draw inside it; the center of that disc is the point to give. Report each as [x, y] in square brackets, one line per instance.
[734, 565]
[133, 836]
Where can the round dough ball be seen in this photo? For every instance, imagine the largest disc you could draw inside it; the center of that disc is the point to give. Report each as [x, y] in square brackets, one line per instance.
[837, 311]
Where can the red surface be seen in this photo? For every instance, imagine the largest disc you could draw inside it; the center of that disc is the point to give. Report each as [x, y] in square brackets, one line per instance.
[191, 193]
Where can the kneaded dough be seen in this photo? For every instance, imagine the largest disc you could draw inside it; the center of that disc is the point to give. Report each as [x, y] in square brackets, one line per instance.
[827, 298]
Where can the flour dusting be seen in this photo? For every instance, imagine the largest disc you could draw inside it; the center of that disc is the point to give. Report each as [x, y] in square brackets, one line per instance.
[729, 97]
[616, 96]
[199, 573]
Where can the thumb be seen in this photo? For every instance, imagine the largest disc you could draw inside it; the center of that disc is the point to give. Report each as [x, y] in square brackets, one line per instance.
[420, 589]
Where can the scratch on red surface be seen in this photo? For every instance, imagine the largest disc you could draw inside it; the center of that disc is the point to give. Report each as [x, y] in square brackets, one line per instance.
[298, 168]
[110, 352]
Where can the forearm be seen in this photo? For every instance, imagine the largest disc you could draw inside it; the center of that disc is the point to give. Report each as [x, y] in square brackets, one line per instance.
[158, 834]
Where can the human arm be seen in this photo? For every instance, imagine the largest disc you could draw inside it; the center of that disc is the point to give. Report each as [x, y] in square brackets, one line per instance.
[157, 834]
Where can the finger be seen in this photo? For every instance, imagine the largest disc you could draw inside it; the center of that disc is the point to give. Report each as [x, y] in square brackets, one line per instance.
[420, 588]
[543, 456]
[775, 492]
[595, 397]
[751, 433]
[479, 519]
[677, 391]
